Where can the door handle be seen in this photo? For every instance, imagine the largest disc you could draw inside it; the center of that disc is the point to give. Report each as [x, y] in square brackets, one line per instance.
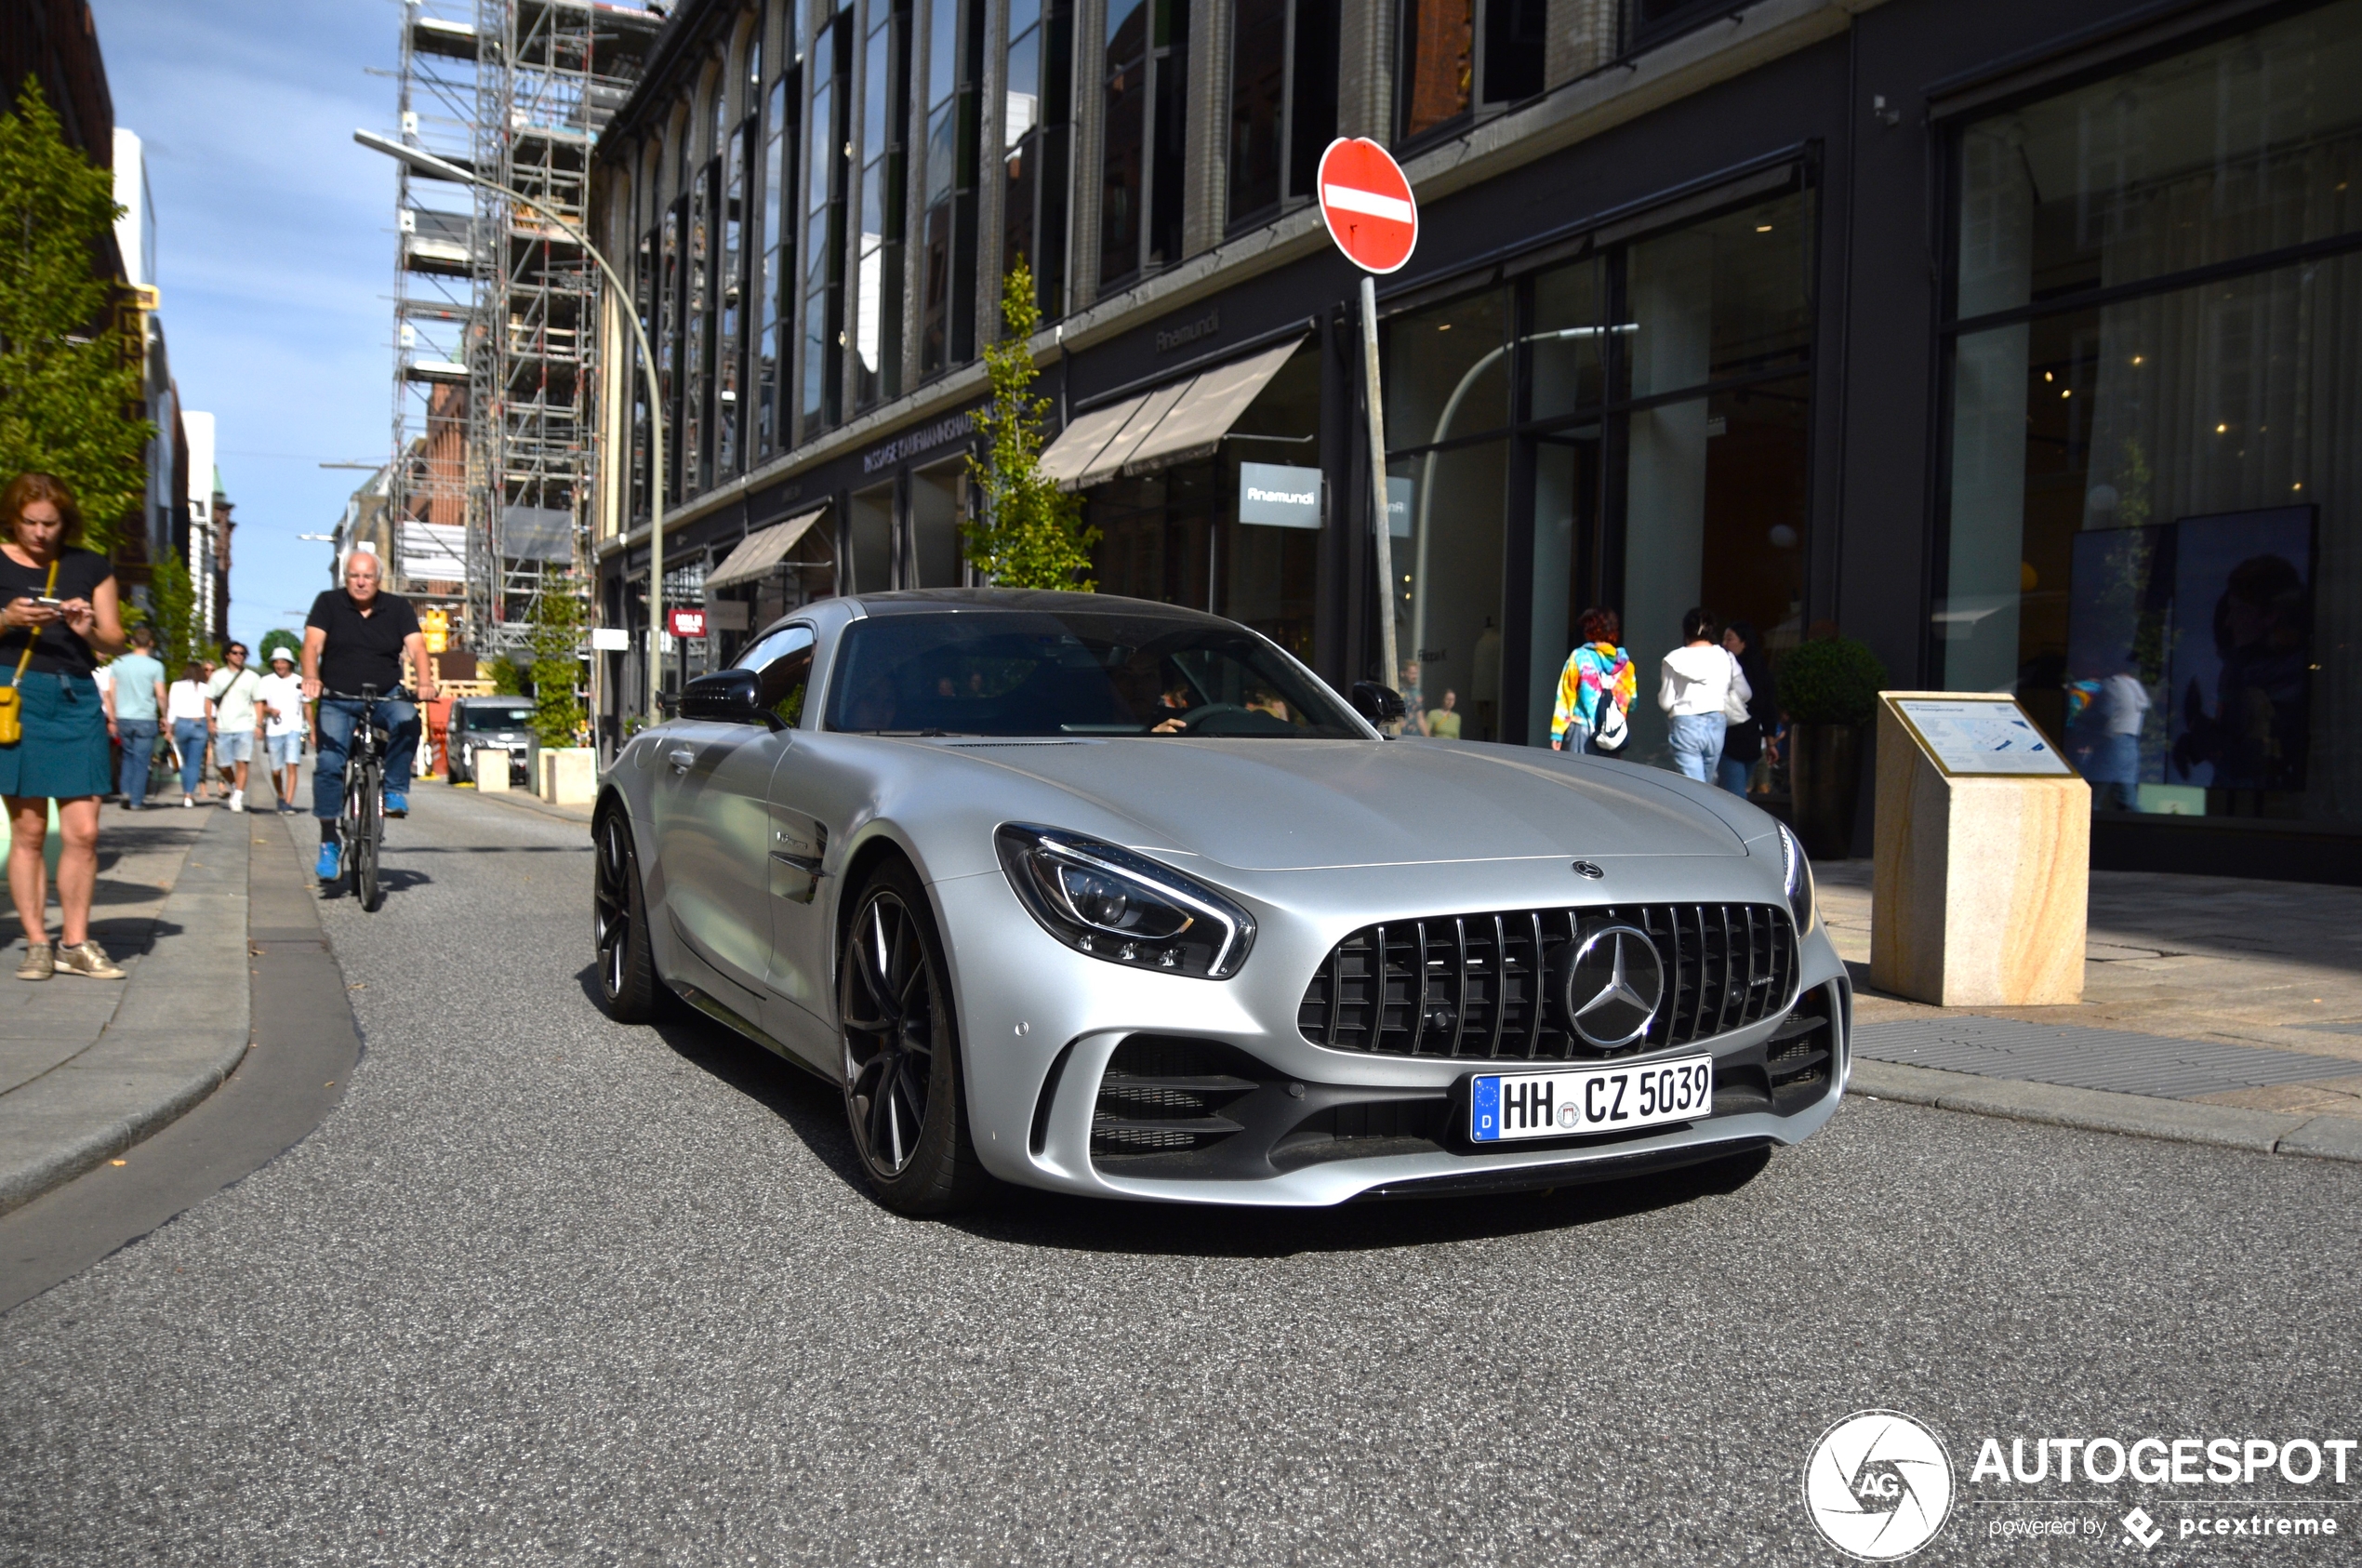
[681, 757]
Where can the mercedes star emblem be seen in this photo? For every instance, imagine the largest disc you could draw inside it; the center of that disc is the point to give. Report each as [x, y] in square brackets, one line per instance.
[1588, 868]
[1613, 986]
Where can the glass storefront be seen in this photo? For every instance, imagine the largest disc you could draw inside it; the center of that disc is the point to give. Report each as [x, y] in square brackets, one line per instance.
[1175, 534]
[1646, 410]
[2152, 528]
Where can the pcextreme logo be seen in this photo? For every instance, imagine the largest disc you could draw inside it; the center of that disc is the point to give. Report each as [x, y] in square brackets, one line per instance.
[1878, 1485]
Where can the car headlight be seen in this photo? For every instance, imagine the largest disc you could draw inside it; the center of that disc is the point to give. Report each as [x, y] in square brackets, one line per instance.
[1796, 873]
[1124, 908]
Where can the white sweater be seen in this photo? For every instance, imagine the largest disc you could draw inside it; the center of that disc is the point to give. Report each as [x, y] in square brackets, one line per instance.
[1696, 680]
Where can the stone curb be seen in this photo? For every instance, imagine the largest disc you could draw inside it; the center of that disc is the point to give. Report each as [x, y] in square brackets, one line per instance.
[522, 800]
[179, 1030]
[2225, 1126]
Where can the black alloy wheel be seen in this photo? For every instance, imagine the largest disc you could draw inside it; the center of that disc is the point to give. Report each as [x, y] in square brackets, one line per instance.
[628, 982]
[902, 1088]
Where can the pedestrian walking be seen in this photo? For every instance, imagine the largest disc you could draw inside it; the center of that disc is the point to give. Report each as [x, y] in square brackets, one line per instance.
[59, 603]
[280, 696]
[1695, 682]
[190, 713]
[137, 698]
[1743, 740]
[236, 719]
[1596, 689]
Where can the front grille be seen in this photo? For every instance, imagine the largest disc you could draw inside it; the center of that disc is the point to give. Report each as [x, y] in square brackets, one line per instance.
[1163, 1094]
[1473, 986]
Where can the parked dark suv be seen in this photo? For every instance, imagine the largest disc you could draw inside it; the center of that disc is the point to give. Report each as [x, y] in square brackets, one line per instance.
[491, 724]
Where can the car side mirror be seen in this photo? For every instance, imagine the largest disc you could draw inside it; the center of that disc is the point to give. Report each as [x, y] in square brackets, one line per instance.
[1381, 705]
[728, 696]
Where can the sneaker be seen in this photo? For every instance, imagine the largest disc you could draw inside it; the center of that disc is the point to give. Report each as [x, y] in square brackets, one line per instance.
[40, 962]
[237, 799]
[397, 805]
[187, 802]
[89, 960]
[330, 861]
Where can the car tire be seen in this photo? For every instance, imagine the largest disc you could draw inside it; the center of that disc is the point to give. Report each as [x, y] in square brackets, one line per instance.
[904, 1095]
[628, 980]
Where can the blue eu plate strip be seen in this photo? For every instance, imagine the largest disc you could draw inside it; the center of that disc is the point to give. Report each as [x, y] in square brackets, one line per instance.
[1484, 1121]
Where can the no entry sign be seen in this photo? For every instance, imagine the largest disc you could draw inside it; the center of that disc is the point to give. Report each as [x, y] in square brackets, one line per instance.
[1368, 204]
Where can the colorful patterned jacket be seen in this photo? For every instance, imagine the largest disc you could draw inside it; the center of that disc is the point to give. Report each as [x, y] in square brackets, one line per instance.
[1592, 669]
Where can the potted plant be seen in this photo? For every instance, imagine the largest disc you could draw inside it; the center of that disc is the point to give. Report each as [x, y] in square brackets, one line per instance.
[1829, 688]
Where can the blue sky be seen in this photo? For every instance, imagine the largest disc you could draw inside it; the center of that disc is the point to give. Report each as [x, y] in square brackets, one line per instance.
[274, 251]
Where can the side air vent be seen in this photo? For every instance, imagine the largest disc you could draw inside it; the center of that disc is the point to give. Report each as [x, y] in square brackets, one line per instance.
[1166, 1095]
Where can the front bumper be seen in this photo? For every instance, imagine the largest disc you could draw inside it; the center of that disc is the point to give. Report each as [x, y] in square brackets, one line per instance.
[1055, 1040]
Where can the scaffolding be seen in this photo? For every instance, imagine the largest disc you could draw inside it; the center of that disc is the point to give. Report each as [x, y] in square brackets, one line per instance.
[495, 307]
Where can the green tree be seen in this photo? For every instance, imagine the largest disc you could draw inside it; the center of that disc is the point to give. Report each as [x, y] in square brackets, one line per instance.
[1031, 534]
[280, 637]
[558, 618]
[172, 612]
[508, 677]
[68, 374]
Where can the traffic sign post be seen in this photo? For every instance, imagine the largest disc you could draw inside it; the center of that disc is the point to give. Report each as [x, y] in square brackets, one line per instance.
[1366, 204]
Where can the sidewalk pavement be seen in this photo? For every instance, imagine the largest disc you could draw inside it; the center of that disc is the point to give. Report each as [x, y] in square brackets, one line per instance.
[2214, 1009]
[88, 1068]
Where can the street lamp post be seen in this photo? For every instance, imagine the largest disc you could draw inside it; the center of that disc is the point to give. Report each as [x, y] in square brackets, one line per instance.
[426, 162]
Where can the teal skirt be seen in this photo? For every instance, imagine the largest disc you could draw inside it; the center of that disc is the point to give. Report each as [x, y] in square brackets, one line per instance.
[63, 752]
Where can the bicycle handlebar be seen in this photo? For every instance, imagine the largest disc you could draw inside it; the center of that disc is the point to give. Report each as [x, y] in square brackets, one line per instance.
[397, 694]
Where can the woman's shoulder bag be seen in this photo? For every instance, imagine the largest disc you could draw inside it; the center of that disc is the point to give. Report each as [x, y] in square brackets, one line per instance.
[11, 700]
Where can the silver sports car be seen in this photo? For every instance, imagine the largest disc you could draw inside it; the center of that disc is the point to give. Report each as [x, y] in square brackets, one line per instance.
[1085, 893]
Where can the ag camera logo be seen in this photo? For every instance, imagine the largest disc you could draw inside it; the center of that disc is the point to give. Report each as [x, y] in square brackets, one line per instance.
[1878, 1485]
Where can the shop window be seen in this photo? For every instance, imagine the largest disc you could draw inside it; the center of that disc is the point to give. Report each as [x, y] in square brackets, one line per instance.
[644, 293]
[668, 345]
[948, 186]
[939, 506]
[1175, 536]
[732, 297]
[697, 429]
[885, 111]
[2149, 524]
[1035, 131]
[1448, 371]
[828, 170]
[1460, 56]
[870, 529]
[1722, 298]
[1652, 22]
[1146, 104]
[1283, 103]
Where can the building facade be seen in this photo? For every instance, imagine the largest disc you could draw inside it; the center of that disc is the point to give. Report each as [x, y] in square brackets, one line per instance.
[2014, 340]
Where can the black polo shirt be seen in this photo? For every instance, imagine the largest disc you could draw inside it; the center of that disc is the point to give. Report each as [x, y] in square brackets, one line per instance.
[362, 650]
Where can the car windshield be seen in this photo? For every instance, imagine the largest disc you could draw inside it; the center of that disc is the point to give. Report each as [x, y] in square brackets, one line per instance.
[473, 718]
[1074, 672]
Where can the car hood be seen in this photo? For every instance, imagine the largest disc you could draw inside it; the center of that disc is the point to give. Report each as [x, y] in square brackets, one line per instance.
[1281, 805]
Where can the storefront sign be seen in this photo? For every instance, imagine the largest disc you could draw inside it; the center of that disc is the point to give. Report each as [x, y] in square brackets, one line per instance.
[610, 639]
[1280, 497]
[684, 623]
[926, 438]
[1190, 332]
[1397, 508]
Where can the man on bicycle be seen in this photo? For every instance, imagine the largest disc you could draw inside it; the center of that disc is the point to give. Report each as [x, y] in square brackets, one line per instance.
[354, 637]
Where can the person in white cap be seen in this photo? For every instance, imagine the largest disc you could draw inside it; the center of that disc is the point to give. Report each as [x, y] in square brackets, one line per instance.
[281, 700]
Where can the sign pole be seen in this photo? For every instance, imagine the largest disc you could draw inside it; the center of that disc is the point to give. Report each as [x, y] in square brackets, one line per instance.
[1378, 499]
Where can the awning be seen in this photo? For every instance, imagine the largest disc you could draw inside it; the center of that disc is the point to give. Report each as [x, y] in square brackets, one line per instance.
[763, 550]
[1169, 425]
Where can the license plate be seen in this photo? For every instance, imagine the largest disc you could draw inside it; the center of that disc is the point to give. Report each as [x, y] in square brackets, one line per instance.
[1505, 1107]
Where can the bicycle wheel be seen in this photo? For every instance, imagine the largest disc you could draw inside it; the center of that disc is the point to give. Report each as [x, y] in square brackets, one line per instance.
[367, 832]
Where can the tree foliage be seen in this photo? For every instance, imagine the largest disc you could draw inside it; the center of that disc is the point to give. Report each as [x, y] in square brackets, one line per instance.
[508, 677]
[172, 612]
[280, 637]
[1031, 534]
[69, 377]
[558, 619]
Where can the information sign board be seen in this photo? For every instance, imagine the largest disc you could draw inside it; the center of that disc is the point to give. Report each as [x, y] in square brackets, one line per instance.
[1970, 735]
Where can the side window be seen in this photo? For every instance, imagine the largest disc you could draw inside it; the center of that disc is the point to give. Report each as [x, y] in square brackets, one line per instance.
[783, 661]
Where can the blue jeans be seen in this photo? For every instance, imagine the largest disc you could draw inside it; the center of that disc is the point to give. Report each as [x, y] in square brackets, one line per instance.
[189, 734]
[1697, 744]
[1732, 775]
[138, 755]
[338, 715]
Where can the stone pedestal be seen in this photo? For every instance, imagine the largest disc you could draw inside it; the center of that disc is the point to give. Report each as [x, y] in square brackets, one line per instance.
[1981, 878]
[491, 770]
[570, 776]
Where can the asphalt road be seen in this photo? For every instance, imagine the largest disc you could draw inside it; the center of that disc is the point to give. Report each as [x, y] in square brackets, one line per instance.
[546, 1290]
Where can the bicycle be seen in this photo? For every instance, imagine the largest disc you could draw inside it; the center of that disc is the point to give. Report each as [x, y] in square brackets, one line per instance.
[361, 819]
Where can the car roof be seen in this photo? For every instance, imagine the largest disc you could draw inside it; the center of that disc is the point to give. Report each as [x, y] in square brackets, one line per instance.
[917, 601]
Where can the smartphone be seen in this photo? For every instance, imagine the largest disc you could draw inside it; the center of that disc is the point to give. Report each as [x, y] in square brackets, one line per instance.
[46, 603]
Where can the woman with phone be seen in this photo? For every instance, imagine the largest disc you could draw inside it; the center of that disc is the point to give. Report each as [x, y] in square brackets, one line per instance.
[58, 616]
